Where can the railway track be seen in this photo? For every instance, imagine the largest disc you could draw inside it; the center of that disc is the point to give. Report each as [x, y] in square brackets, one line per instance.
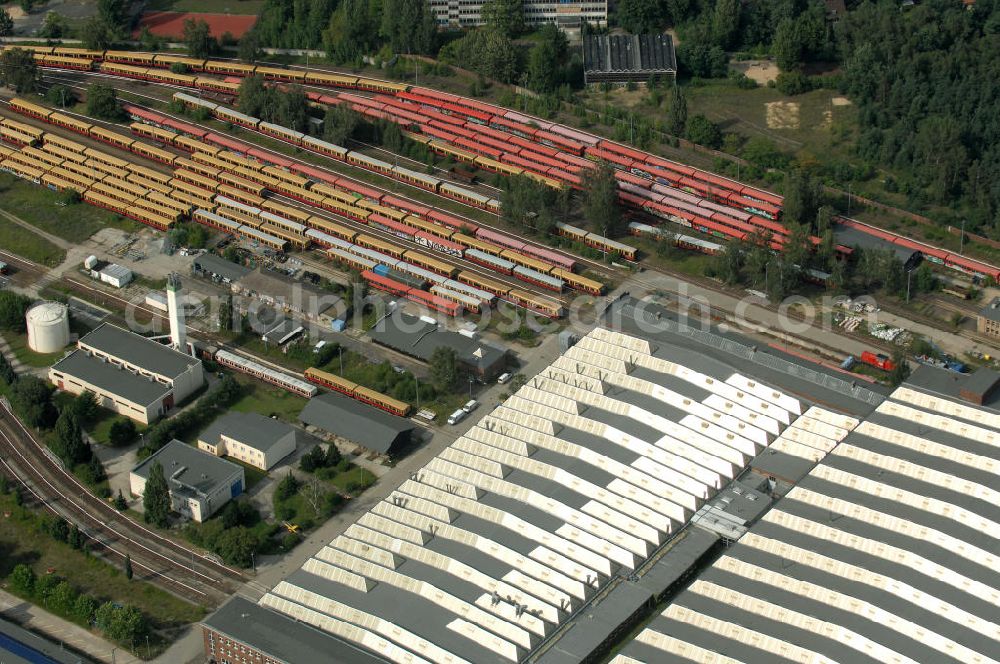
[166, 562]
[117, 82]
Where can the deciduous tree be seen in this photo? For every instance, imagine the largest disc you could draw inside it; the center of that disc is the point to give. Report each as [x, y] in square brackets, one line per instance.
[156, 497]
[18, 70]
[198, 38]
[600, 205]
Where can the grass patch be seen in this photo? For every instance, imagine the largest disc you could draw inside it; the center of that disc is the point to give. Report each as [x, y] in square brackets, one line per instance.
[34, 247]
[19, 345]
[100, 428]
[267, 400]
[353, 480]
[22, 542]
[40, 207]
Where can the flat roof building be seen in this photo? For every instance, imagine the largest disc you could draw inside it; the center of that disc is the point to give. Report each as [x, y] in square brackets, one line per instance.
[200, 483]
[418, 338]
[367, 426]
[252, 438]
[128, 373]
[218, 268]
[988, 319]
[628, 58]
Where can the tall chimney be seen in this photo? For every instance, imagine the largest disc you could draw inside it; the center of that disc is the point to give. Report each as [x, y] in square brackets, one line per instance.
[175, 309]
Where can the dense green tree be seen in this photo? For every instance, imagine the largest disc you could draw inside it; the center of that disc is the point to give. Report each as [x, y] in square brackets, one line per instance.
[340, 123]
[19, 71]
[120, 503]
[68, 443]
[802, 198]
[294, 23]
[22, 580]
[102, 102]
[504, 16]
[62, 598]
[127, 566]
[900, 370]
[198, 38]
[6, 23]
[32, 399]
[76, 539]
[547, 60]
[287, 487]
[249, 47]
[444, 368]
[486, 51]
[528, 205]
[85, 407]
[59, 529]
[601, 207]
[156, 497]
[13, 307]
[122, 432]
[113, 12]
[726, 23]
[677, 113]
[408, 26]
[60, 95]
[703, 131]
[237, 546]
[96, 34]
[352, 30]
[123, 624]
[641, 16]
[702, 59]
[54, 26]
[84, 608]
[252, 96]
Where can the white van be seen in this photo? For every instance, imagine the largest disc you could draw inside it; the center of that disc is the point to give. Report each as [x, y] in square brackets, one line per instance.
[470, 406]
[504, 379]
[457, 416]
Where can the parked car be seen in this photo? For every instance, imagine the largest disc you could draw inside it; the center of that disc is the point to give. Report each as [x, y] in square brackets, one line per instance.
[457, 416]
[470, 405]
[504, 378]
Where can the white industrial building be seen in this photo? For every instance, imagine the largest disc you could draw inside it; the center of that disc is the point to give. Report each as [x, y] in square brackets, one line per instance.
[130, 374]
[561, 496]
[200, 484]
[251, 438]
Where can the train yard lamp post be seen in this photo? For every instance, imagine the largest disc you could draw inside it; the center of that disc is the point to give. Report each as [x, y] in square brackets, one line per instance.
[471, 379]
[961, 238]
[341, 350]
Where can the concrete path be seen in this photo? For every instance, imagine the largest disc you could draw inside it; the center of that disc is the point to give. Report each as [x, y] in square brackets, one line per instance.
[11, 357]
[62, 631]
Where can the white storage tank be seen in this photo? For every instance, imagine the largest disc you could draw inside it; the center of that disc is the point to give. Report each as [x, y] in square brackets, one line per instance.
[48, 327]
[90, 262]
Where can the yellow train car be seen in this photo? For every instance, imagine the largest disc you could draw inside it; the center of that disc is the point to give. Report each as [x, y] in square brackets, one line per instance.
[217, 85]
[164, 60]
[453, 152]
[22, 171]
[71, 52]
[53, 181]
[105, 158]
[234, 159]
[125, 186]
[168, 201]
[240, 195]
[294, 240]
[288, 178]
[193, 200]
[106, 169]
[414, 221]
[64, 143]
[542, 305]
[29, 108]
[200, 182]
[497, 166]
[112, 137]
[130, 58]
[150, 174]
[228, 68]
[471, 242]
[157, 207]
[23, 128]
[197, 167]
[154, 153]
[279, 74]
[69, 122]
[153, 132]
[286, 211]
[430, 263]
[146, 183]
[392, 213]
[240, 183]
[42, 156]
[304, 195]
[194, 145]
[346, 209]
[210, 160]
[332, 80]
[330, 191]
[380, 86]
[332, 228]
[114, 193]
[578, 282]
[85, 169]
[80, 182]
[483, 283]
[526, 261]
[63, 154]
[63, 62]
[129, 71]
[380, 245]
[237, 215]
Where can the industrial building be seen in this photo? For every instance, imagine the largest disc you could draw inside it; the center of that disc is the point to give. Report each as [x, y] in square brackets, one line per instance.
[420, 337]
[988, 319]
[200, 483]
[249, 437]
[885, 551]
[357, 422]
[130, 374]
[628, 58]
[469, 13]
[551, 525]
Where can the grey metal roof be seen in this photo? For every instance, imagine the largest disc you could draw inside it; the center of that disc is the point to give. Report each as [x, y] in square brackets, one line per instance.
[949, 383]
[283, 331]
[111, 378]
[138, 351]
[683, 552]
[217, 265]
[252, 429]
[188, 469]
[629, 53]
[285, 639]
[412, 336]
[991, 310]
[348, 418]
[782, 465]
[602, 619]
[43, 650]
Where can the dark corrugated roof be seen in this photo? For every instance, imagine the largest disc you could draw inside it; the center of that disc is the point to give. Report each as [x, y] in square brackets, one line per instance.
[345, 417]
[629, 53]
[412, 336]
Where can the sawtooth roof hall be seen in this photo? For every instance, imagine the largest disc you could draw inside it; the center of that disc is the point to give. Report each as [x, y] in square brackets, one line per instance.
[566, 496]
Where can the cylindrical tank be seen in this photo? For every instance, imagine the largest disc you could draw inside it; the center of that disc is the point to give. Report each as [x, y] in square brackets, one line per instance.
[48, 327]
[90, 262]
